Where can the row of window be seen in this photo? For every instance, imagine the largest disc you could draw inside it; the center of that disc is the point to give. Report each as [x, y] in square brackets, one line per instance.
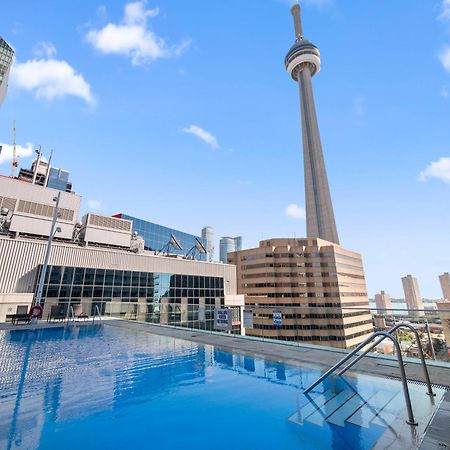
[310, 326]
[59, 275]
[307, 294]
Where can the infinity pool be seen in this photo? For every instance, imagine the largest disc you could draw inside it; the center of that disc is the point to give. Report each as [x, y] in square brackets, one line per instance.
[105, 387]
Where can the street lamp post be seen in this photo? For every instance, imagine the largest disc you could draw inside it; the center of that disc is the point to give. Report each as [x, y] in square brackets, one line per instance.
[53, 231]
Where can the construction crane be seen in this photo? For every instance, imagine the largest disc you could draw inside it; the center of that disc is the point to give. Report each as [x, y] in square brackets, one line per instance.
[14, 160]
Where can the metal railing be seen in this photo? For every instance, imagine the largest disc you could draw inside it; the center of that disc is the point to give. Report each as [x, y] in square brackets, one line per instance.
[392, 331]
[71, 315]
[96, 313]
[383, 335]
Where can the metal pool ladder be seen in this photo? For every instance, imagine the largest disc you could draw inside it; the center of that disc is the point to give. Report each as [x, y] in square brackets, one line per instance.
[382, 335]
[71, 315]
[96, 313]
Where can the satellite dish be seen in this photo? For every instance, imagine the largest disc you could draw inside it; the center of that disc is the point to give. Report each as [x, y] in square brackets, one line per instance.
[175, 242]
[200, 247]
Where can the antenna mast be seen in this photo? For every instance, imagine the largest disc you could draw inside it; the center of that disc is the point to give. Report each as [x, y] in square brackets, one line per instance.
[14, 160]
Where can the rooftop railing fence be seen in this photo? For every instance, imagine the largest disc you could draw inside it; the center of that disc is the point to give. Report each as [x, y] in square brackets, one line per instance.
[294, 325]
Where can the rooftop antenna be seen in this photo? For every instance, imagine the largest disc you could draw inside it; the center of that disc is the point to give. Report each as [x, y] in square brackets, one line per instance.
[295, 10]
[48, 168]
[14, 160]
[38, 160]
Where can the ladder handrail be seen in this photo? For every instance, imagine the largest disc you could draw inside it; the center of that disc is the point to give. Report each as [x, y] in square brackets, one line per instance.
[411, 420]
[71, 315]
[391, 331]
[96, 310]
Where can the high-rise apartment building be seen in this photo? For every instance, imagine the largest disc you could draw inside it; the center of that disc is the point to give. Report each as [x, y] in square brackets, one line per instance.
[310, 281]
[444, 279]
[208, 236]
[383, 303]
[300, 289]
[229, 245]
[6, 59]
[413, 298]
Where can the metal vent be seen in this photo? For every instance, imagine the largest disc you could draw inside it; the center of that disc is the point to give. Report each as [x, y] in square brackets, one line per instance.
[112, 223]
[39, 209]
[6, 202]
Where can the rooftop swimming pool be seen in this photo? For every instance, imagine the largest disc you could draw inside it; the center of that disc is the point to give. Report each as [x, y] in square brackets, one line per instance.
[107, 387]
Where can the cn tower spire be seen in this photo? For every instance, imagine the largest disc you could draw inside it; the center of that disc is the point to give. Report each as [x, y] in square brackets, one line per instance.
[303, 62]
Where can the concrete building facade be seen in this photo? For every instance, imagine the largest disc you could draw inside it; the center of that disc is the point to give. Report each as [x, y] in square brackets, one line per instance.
[383, 303]
[310, 282]
[444, 280]
[413, 297]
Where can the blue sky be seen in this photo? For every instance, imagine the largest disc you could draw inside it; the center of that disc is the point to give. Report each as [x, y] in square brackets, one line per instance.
[182, 113]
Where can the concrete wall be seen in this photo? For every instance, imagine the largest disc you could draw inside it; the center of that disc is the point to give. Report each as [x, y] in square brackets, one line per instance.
[20, 258]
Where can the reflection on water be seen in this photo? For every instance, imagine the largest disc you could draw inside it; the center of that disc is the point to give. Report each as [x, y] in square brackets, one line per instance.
[80, 386]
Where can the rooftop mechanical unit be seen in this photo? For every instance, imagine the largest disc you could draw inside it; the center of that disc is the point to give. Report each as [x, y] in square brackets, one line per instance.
[105, 230]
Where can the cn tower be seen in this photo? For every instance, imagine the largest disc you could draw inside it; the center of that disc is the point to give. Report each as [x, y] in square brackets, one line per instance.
[303, 62]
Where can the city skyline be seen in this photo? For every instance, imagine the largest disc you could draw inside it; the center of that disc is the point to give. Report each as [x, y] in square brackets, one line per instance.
[380, 138]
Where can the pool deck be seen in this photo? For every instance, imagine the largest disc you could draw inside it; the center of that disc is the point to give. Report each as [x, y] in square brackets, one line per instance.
[437, 435]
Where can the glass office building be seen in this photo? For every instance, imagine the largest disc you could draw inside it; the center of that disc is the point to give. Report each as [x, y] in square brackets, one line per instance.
[59, 179]
[148, 296]
[6, 57]
[157, 236]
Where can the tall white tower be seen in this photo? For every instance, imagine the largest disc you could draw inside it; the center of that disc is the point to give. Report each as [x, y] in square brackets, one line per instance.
[208, 235]
[303, 62]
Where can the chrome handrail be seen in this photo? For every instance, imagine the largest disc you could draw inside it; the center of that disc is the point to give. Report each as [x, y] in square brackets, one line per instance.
[411, 420]
[419, 345]
[96, 312]
[71, 315]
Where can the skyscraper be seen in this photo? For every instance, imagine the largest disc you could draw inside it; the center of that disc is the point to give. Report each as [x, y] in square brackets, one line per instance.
[383, 302]
[444, 279]
[303, 62]
[307, 284]
[208, 236]
[229, 245]
[6, 58]
[412, 295]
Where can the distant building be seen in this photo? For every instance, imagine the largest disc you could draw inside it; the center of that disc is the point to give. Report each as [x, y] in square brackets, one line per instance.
[413, 298]
[208, 236]
[43, 174]
[445, 285]
[308, 282]
[157, 236]
[383, 303]
[444, 314]
[229, 245]
[6, 59]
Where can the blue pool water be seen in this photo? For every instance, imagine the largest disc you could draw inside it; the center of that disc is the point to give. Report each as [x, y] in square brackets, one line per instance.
[106, 387]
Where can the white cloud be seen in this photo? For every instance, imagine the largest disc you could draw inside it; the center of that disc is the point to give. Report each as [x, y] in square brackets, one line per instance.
[445, 11]
[295, 212]
[444, 57]
[437, 169]
[94, 205]
[50, 78]
[132, 38]
[202, 134]
[44, 49]
[21, 151]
